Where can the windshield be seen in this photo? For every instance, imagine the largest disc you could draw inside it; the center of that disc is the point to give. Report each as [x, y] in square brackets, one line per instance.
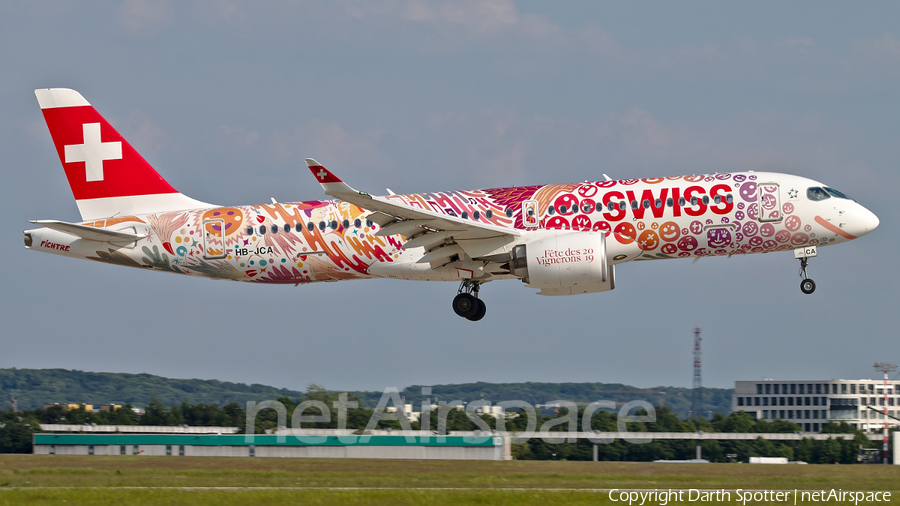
[816, 193]
[835, 193]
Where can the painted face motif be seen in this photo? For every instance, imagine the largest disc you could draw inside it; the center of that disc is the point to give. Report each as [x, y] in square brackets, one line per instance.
[756, 241]
[696, 227]
[630, 181]
[688, 243]
[625, 233]
[581, 222]
[653, 180]
[750, 228]
[740, 205]
[648, 241]
[602, 226]
[753, 211]
[640, 225]
[792, 223]
[739, 178]
[566, 202]
[767, 230]
[723, 177]
[724, 219]
[233, 219]
[693, 179]
[738, 236]
[807, 228]
[669, 249]
[709, 222]
[748, 192]
[557, 222]
[787, 208]
[768, 201]
[718, 237]
[587, 205]
[669, 231]
[799, 239]
[587, 190]
[770, 244]
[783, 236]
[606, 184]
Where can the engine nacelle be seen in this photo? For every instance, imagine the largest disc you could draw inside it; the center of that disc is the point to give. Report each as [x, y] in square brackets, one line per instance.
[565, 264]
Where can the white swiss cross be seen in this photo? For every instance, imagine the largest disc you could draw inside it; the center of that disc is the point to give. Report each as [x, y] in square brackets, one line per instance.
[93, 152]
[322, 174]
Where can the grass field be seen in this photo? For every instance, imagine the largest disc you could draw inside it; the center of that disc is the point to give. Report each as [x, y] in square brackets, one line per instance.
[39, 479]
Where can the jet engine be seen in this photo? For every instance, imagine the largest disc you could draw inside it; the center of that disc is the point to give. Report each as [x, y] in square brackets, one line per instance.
[565, 264]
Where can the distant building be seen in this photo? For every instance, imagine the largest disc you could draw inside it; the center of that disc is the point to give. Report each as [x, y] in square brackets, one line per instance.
[68, 406]
[812, 404]
[110, 407]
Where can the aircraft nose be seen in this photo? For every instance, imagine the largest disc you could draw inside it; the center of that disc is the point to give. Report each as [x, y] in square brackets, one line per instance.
[865, 221]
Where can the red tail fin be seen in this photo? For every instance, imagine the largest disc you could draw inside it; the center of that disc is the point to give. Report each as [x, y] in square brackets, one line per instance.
[107, 176]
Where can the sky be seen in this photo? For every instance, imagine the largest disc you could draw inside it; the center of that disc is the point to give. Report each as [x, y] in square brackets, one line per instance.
[225, 98]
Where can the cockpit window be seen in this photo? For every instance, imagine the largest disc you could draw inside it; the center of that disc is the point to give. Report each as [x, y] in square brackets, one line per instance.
[835, 193]
[816, 193]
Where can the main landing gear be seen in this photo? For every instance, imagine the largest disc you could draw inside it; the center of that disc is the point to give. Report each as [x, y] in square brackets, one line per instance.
[466, 303]
[807, 286]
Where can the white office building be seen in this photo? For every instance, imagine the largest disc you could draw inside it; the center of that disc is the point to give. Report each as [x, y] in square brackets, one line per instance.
[812, 404]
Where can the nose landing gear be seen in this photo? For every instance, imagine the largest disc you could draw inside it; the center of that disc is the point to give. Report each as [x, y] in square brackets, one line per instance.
[466, 303]
[807, 286]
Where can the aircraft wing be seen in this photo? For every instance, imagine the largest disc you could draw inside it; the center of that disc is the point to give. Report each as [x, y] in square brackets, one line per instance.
[101, 234]
[423, 227]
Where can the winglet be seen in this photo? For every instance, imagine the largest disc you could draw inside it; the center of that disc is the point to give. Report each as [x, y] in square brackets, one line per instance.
[322, 174]
[332, 184]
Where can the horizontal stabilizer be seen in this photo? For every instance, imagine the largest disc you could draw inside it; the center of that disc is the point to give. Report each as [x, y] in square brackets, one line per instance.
[100, 234]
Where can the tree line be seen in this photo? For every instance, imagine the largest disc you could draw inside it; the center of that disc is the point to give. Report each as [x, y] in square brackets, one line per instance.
[17, 430]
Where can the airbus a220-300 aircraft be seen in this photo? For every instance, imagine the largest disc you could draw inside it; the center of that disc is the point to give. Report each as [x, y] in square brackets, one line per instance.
[563, 239]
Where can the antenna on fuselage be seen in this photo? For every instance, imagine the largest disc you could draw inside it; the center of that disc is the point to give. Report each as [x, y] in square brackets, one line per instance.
[606, 177]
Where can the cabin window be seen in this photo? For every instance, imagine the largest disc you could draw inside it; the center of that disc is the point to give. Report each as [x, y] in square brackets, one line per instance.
[611, 206]
[729, 199]
[262, 230]
[310, 226]
[551, 210]
[670, 202]
[587, 207]
[298, 227]
[357, 223]
[682, 202]
[322, 225]
[622, 205]
[658, 203]
[370, 223]
[476, 215]
[334, 224]
[705, 199]
[249, 230]
[274, 229]
[634, 204]
[563, 209]
[693, 201]
[346, 223]
[464, 215]
[287, 227]
[816, 193]
[509, 213]
[717, 200]
[489, 214]
[646, 204]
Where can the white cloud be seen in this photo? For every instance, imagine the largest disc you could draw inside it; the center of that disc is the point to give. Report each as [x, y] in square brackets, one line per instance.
[143, 17]
[331, 144]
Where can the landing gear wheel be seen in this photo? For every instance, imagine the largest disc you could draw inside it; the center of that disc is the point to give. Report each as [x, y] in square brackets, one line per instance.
[465, 305]
[480, 311]
[807, 286]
